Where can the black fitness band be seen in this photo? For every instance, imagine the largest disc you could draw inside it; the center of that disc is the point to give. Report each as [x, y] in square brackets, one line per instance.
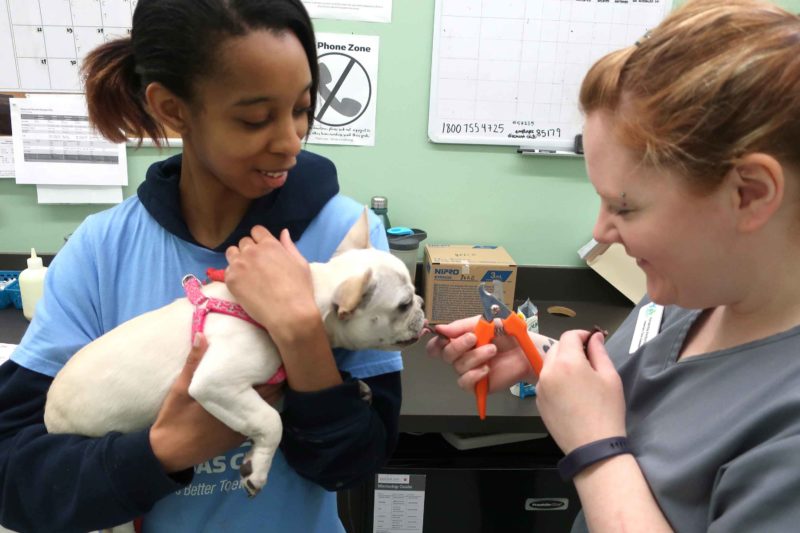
[588, 454]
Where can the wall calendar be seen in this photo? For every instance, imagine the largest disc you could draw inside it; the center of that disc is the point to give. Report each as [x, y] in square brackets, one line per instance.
[44, 41]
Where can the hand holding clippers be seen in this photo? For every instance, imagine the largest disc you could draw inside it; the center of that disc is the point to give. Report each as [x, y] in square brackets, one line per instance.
[511, 324]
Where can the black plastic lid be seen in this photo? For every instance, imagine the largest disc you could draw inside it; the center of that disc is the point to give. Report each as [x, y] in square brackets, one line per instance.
[407, 242]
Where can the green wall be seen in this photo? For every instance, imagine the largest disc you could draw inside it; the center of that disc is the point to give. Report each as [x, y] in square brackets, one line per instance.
[541, 209]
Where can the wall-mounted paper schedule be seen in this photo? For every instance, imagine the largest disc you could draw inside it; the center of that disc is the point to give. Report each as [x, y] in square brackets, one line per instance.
[54, 144]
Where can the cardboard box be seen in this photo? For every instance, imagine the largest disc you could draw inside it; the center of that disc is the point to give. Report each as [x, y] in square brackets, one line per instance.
[617, 267]
[453, 274]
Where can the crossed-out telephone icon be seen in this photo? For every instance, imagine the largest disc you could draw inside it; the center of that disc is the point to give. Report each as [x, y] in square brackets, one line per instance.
[344, 106]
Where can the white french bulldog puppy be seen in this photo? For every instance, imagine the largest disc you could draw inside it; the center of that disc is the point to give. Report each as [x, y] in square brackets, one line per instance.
[119, 381]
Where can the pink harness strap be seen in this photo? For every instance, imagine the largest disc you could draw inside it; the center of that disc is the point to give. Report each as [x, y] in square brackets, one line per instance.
[203, 305]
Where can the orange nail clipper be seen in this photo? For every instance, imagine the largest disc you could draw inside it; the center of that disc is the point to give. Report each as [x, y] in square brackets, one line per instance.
[511, 324]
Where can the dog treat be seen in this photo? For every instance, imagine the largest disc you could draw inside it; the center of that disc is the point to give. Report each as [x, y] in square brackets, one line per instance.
[595, 329]
[561, 310]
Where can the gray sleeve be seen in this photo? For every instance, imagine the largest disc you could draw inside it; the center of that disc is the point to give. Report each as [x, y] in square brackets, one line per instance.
[579, 525]
[758, 490]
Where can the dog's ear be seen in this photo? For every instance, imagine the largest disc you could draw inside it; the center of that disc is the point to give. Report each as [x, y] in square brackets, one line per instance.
[349, 294]
[358, 236]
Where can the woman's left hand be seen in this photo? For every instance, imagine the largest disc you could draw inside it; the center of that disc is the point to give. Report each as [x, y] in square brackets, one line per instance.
[271, 279]
[579, 394]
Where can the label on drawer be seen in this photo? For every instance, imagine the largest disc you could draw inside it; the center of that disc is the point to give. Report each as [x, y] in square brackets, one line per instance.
[399, 503]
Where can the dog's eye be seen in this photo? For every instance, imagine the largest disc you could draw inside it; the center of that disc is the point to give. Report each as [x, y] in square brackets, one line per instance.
[403, 307]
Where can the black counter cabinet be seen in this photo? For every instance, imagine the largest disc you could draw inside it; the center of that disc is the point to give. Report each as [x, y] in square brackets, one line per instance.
[12, 325]
[491, 489]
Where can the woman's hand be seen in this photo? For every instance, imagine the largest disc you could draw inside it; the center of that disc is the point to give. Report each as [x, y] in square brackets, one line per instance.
[580, 395]
[271, 279]
[184, 434]
[502, 359]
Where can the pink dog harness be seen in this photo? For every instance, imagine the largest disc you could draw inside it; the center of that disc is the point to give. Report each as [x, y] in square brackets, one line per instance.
[203, 305]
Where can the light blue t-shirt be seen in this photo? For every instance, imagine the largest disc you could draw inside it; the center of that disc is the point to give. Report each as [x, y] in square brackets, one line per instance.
[121, 263]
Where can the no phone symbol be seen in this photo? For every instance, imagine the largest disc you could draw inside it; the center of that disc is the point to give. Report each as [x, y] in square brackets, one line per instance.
[345, 89]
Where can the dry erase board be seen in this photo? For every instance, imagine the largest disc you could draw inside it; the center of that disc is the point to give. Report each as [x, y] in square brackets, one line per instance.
[508, 72]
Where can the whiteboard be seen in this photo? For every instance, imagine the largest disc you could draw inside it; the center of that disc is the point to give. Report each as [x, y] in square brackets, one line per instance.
[508, 72]
[44, 41]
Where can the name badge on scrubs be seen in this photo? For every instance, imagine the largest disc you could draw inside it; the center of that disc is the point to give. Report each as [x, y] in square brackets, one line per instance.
[648, 324]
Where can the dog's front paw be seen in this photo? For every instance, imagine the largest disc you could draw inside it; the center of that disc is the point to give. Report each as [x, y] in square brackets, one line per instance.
[251, 489]
[253, 480]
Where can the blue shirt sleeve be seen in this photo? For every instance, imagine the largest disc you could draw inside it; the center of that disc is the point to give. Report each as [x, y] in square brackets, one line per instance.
[68, 315]
[68, 482]
[338, 436]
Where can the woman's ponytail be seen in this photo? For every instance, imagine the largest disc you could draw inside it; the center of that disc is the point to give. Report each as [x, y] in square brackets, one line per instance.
[114, 94]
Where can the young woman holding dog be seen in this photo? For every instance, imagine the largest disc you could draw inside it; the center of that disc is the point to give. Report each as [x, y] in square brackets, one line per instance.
[237, 79]
[691, 140]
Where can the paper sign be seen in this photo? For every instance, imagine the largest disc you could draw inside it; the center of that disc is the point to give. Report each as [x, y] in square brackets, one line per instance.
[399, 503]
[78, 194]
[366, 10]
[6, 157]
[54, 144]
[348, 75]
